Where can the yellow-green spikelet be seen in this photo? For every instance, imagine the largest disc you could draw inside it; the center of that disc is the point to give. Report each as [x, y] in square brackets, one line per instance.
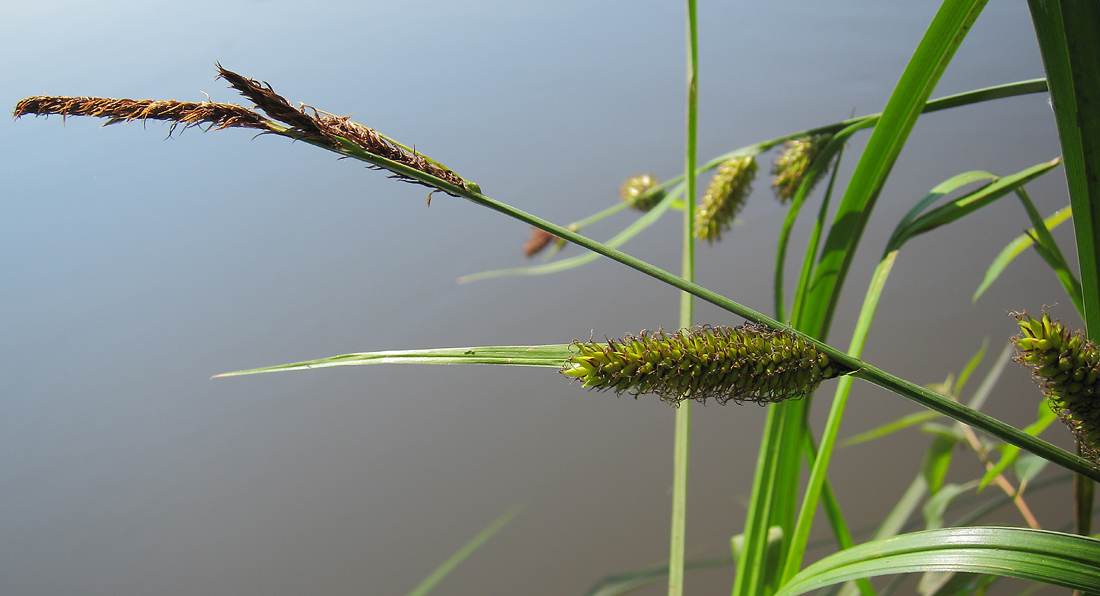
[1067, 367]
[747, 363]
[793, 164]
[724, 198]
[633, 188]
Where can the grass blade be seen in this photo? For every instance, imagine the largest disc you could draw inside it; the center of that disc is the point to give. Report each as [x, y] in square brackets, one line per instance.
[1050, 252]
[941, 39]
[547, 356]
[1050, 557]
[971, 201]
[1069, 41]
[463, 553]
[1016, 248]
[890, 427]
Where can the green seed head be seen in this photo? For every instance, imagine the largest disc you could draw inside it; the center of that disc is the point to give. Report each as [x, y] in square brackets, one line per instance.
[724, 198]
[748, 363]
[793, 164]
[1067, 367]
[635, 186]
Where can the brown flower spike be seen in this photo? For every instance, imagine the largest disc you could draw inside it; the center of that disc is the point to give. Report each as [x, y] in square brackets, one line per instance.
[306, 123]
[217, 115]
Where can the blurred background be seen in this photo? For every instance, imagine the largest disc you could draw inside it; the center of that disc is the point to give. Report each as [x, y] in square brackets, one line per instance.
[136, 266]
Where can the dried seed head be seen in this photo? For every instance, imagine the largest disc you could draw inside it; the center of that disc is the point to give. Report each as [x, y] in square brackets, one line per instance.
[748, 363]
[635, 186]
[325, 128]
[1067, 367]
[537, 241]
[336, 132]
[217, 115]
[793, 164]
[724, 198]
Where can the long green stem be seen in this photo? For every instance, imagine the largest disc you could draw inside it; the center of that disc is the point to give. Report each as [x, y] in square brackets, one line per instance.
[865, 371]
[681, 440]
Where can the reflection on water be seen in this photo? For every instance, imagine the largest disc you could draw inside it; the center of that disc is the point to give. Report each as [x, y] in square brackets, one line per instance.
[136, 267]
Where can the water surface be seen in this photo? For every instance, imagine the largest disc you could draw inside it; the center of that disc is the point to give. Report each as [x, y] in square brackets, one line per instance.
[137, 266]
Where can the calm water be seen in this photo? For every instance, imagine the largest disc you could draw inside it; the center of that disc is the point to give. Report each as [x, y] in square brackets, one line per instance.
[136, 267]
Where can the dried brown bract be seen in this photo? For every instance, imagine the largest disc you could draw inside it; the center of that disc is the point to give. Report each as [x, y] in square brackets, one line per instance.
[537, 241]
[217, 115]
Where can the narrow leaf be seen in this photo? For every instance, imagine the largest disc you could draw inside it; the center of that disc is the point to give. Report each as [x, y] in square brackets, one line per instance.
[1016, 248]
[1050, 557]
[551, 356]
[1009, 453]
[972, 201]
[891, 427]
[1069, 41]
[463, 553]
[938, 460]
[934, 509]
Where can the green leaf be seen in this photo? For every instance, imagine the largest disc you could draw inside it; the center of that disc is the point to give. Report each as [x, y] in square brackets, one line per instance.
[461, 554]
[896, 519]
[1016, 248]
[949, 583]
[938, 460]
[549, 356]
[1009, 453]
[1048, 249]
[934, 509]
[942, 38]
[892, 427]
[969, 202]
[1059, 559]
[1069, 41]
[622, 583]
[1028, 467]
[968, 370]
[939, 191]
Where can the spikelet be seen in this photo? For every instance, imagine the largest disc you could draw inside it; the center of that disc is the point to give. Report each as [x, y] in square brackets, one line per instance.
[633, 188]
[793, 164]
[748, 363]
[724, 198]
[1067, 367]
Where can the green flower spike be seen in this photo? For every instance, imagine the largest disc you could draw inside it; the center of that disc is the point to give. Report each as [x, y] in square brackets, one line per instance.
[1065, 365]
[748, 363]
[724, 198]
[793, 164]
[633, 188]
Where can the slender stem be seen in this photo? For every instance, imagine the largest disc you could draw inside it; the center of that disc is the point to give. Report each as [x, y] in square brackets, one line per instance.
[683, 413]
[863, 370]
[1084, 491]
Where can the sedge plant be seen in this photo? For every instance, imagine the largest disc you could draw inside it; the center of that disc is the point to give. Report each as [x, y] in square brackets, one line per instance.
[780, 360]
